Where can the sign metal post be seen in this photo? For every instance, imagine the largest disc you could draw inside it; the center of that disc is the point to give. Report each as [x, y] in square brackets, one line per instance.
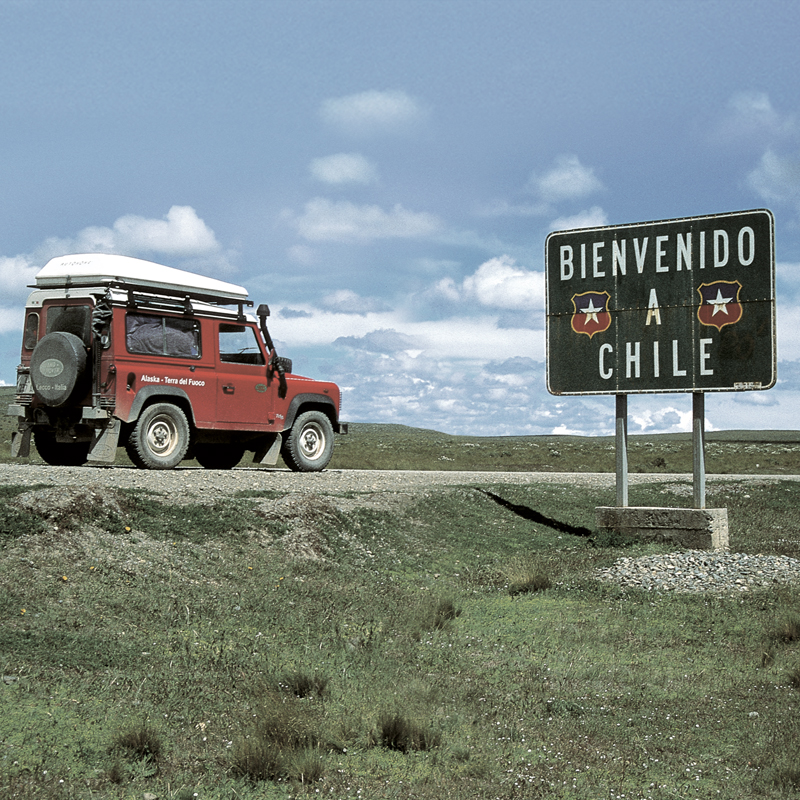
[622, 449]
[699, 449]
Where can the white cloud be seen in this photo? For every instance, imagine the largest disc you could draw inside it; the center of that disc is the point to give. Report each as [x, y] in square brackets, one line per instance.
[303, 254]
[344, 168]
[181, 233]
[371, 112]
[385, 340]
[751, 115]
[593, 217]
[325, 220]
[498, 283]
[11, 320]
[776, 178]
[346, 301]
[16, 274]
[502, 208]
[662, 419]
[567, 180]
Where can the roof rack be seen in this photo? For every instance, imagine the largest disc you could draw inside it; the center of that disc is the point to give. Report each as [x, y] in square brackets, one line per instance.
[134, 274]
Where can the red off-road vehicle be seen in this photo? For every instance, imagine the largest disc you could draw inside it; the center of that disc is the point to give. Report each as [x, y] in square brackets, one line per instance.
[120, 351]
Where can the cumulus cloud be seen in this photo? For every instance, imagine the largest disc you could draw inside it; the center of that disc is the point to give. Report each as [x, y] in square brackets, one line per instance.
[502, 208]
[661, 419]
[181, 233]
[11, 320]
[326, 220]
[777, 178]
[371, 112]
[294, 313]
[498, 283]
[568, 179]
[344, 168]
[346, 301]
[386, 340]
[593, 217]
[16, 274]
[751, 115]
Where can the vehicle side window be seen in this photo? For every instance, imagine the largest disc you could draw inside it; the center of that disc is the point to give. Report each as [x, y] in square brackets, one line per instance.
[149, 334]
[31, 331]
[71, 319]
[238, 345]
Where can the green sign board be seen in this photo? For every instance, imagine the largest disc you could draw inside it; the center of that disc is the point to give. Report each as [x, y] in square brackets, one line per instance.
[681, 305]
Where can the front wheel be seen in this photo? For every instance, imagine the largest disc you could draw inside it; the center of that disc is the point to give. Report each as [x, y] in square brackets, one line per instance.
[308, 446]
[160, 437]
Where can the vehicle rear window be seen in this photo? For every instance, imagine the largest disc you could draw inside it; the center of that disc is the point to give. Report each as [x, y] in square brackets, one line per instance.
[31, 331]
[76, 320]
[150, 334]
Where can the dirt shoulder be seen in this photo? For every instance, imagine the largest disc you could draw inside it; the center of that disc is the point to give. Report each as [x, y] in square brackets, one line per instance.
[198, 485]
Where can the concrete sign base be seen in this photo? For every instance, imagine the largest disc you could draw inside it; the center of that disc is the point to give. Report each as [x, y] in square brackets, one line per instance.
[689, 528]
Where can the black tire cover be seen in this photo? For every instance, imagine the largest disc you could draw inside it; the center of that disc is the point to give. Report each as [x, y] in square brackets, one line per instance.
[57, 366]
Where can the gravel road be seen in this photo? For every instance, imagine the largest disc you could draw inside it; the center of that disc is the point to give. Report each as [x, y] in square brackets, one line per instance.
[204, 484]
[722, 573]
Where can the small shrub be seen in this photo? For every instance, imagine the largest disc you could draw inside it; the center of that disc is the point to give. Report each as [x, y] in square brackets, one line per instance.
[282, 742]
[141, 741]
[794, 677]
[787, 631]
[115, 773]
[301, 684]
[398, 733]
[257, 759]
[526, 575]
[431, 614]
[306, 767]
[444, 612]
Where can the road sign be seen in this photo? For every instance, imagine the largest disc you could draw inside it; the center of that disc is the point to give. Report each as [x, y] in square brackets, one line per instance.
[681, 305]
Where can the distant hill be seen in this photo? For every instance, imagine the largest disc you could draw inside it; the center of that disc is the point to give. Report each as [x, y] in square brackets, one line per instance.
[391, 446]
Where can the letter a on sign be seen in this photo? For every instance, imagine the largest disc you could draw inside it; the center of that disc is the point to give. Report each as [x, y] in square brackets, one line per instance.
[591, 314]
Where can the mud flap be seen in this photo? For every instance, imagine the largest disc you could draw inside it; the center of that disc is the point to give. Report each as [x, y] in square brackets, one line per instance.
[104, 442]
[268, 454]
[21, 443]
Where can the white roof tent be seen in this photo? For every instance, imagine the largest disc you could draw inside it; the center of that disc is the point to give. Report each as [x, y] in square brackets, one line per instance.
[124, 272]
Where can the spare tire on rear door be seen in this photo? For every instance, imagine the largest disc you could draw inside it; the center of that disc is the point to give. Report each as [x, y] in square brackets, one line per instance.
[58, 368]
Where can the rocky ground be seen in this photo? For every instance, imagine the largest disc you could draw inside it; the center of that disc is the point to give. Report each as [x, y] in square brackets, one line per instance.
[58, 492]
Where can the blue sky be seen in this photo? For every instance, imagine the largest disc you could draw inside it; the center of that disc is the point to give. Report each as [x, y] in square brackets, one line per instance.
[384, 175]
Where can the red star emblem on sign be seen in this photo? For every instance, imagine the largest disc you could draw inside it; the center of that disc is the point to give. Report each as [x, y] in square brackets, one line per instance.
[719, 304]
[591, 314]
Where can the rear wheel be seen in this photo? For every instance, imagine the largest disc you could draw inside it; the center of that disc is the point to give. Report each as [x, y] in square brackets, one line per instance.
[308, 446]
[218, 456]
[160, 438]
[60, 454]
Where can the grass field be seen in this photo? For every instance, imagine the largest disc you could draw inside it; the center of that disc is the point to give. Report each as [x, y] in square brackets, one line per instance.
[376, 446]
[430, 646]
[415, 647]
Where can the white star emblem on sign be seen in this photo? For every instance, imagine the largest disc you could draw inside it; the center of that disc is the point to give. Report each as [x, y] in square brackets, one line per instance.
[720, 303]
[592, 312]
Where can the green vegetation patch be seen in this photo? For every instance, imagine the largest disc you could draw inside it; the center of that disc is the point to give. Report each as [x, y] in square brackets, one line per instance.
[447, 645]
